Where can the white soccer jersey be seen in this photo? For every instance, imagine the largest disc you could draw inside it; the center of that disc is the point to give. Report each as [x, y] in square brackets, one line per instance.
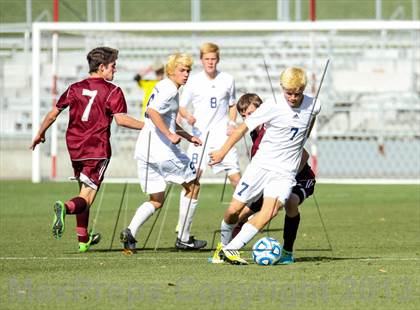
[286, 128]
[210, 99]
[165, 100]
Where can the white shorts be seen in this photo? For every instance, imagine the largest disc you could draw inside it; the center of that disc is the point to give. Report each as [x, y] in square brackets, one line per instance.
[230, 163]
[257, 180]
[155, 176]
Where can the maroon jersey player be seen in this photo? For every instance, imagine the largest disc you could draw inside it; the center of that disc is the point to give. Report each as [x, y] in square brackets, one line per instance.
[305, 184]
[93, 103]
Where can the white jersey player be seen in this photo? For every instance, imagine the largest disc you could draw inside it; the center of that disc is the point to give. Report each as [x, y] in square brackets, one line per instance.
[211, 94]
[273, 169]
[160, 159]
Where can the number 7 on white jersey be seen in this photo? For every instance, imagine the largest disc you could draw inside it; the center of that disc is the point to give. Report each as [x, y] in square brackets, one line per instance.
[92, 95]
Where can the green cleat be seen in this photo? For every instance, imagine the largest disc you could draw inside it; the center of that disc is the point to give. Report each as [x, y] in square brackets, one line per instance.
[286, 258]
[218, 257]
[93, 239]
[58, 223]
[233, 257]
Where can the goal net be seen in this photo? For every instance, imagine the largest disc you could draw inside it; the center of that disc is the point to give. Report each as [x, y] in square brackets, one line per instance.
[368, 127]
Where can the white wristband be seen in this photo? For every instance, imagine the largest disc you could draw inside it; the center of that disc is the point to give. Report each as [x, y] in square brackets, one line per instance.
[232, 123]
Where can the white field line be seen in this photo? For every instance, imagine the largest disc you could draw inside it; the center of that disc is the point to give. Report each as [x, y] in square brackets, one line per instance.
[176, 258]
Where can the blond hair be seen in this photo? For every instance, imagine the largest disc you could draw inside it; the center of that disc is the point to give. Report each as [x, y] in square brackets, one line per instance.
[209, 48]
[178, 59]
[293, 79]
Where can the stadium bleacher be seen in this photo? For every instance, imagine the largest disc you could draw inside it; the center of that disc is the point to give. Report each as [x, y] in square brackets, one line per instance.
[372, 85]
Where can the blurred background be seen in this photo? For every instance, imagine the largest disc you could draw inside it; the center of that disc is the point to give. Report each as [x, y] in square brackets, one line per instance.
[369, 126]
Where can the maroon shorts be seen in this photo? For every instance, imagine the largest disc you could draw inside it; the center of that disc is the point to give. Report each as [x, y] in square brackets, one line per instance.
[90, 172]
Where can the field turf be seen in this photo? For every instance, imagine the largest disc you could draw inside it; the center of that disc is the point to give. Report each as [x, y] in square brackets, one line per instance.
[374, 262]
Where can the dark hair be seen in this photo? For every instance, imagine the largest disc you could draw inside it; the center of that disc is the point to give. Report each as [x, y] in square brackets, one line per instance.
[101, 55]
[246, 100]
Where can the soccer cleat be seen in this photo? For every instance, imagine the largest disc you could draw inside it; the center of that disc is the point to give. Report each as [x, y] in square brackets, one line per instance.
[93, 239]
[233, 257]
[286, 258]
[128, 241]
[58, 222]
[218, 256]
[192, 244]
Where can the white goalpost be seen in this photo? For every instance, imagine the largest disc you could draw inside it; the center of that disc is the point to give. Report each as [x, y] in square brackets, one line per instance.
[372, 62]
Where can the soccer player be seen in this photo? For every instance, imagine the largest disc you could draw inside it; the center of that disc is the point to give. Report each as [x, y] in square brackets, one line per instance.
[161, 160]
[147, 83]
[212, 96]
[273, 169]
[93, 103]
[305, 183]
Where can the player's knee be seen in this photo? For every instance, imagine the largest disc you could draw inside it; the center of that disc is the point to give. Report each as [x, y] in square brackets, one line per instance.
[192, 189]
[156, 204]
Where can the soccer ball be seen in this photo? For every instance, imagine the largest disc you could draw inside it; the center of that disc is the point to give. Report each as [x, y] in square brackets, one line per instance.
[266, 251]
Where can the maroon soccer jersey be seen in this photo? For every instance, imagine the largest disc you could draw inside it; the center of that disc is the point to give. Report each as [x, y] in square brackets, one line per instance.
[92, 102]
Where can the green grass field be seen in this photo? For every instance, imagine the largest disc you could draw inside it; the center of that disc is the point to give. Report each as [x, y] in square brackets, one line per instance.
[374, 262]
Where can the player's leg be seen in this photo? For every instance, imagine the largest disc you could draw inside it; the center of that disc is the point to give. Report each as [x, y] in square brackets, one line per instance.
[302, 190]
[90, 174]
[90, 180]
[143, 213]
[230, 220]
[227, 226]
[152, 183]
[234, 179]
[276, 192]
[188, 206]
[250, 229]
[243, 218]
[82, 219]
[291, 225]
[247, 211]
[194, 154]
[249, 188]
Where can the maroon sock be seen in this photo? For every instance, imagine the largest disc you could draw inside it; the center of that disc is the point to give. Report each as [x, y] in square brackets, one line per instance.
[75, 205]
[82, 221]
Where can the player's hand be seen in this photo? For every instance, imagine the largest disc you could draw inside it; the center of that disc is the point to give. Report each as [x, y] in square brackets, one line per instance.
[174, 138]
[191, 120]
[36, 141]
[196, 141]
[216, 157]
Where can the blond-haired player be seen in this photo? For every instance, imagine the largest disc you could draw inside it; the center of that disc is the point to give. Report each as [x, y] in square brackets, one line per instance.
[160, 159]
[211, 95]
[273, 169]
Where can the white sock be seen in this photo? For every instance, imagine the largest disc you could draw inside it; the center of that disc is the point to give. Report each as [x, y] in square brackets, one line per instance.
[181, 206]
[247, 232]
[226, 232]
[142, 214]
[185, 220]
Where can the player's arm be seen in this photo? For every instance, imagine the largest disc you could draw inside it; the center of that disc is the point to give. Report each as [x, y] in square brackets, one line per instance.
[187, 115]
[217, 156]
[160, 124]
[232, 114]
[192, 139]
[49, 119]
[127, 121]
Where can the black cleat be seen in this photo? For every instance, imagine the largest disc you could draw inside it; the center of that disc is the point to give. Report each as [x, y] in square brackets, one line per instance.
[96, 238]
[192, 244]
[128, 241]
